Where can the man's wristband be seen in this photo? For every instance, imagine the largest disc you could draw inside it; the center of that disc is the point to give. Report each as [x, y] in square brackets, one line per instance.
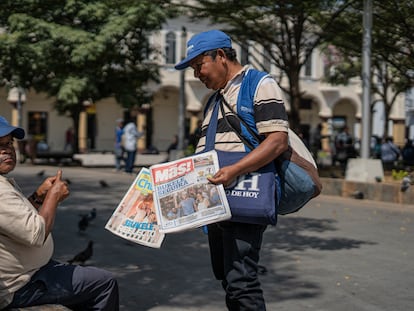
[35, 198]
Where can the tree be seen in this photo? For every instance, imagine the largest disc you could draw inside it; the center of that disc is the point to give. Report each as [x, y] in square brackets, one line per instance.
[79, 50]
[285, 31]
[391, 51]
[394, 25]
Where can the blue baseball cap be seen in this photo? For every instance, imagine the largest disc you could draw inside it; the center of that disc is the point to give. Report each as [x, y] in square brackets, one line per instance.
[203, 42]
[6, 129]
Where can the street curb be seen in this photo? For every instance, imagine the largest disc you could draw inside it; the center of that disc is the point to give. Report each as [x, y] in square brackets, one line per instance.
[385, 192]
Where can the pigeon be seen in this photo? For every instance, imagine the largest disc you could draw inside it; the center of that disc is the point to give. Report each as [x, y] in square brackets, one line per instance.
[358, 195]
[83, 223]
[41, 173]
[103, 184]
[405, 184]
[378, 179]
[92, 214]
[84, 255]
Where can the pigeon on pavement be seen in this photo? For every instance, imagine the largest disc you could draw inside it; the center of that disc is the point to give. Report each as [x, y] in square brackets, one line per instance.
[405, 184]
[83, 223]
[84, 255]
[103, 184]
[358, 195]
[92, 214]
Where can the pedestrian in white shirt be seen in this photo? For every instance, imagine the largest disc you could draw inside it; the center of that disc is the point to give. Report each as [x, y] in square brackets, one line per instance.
[130, 144]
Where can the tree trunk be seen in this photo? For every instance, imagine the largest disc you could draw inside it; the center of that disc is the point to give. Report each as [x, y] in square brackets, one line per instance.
[387, 110]
[75, 117]
[295, 98]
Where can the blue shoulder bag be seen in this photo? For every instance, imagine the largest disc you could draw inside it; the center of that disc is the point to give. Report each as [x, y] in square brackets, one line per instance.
[252, 197]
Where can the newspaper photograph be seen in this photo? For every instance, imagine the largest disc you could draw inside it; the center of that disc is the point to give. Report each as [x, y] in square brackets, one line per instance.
[135, 219]
[183, 196]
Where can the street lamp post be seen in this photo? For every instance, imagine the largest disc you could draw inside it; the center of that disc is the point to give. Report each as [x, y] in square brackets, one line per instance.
[365, 169]
[366, 79]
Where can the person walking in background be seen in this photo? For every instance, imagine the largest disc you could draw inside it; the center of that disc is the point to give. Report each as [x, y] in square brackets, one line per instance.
[69, 139]
[316, 141]
[344, 148]
[118, 148]
[376, 147]
[235, 247]
[390, 153]
[131, 135]
[28, 274]
[407, 153]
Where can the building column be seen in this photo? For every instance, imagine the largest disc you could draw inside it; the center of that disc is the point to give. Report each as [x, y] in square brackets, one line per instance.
[83, 132]
[357, 130]
[193, 121]
[398, 132]
[325, 134]
[14, 117]
[15, 122]
[141, 126]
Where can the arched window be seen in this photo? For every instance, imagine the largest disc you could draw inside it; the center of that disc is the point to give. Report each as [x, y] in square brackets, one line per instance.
[170, 43]
[308, 67]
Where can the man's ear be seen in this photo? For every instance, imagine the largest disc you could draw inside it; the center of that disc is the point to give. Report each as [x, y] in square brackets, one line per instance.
[221, 54]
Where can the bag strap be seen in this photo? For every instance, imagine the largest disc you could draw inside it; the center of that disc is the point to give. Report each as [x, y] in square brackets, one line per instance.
[212, 128]
[239, 134]
[279, 159]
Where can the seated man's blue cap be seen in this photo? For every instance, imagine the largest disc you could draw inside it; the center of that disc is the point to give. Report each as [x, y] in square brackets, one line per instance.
[203, 42]
[6, 129]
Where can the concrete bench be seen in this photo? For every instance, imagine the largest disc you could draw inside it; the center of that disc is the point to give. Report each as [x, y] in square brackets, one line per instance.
[51, 156]
[42, 308]
[107, 159]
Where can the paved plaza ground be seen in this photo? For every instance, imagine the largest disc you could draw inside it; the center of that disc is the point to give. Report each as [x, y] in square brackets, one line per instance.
[336, 254]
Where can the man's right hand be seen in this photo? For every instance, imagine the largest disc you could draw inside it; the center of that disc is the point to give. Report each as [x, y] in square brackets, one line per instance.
[59, 188]
[58, 192]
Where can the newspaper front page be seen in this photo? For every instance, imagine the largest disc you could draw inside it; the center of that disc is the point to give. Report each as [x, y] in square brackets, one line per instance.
[183, 197]
[135, 218]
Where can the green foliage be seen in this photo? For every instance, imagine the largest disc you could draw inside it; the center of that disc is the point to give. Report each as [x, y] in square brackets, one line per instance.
[79, 50]
[398, 175]
[189, 150]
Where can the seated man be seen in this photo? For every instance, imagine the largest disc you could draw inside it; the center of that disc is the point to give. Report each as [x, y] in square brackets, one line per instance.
[28, 274]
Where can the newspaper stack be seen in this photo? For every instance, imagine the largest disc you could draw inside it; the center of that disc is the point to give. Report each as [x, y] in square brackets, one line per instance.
[135, 219]
[183, 196]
